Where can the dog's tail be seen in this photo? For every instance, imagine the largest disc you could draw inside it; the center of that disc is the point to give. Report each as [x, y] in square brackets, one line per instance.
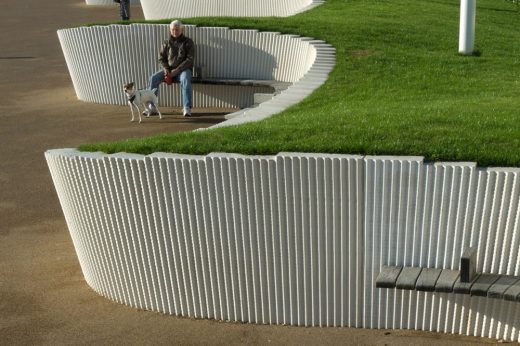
[154, 90]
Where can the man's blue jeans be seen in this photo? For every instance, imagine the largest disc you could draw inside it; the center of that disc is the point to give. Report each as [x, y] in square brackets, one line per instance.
[183, 78]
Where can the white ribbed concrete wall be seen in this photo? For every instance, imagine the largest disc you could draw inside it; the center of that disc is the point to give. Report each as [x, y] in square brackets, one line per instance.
[101, 59]
[161, 9]
[294, 238]
[109, 2]
[315, 76]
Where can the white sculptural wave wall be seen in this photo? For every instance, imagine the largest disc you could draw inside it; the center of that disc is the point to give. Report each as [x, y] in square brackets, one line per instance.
[161, 9]
[290, 239]
[101, 59]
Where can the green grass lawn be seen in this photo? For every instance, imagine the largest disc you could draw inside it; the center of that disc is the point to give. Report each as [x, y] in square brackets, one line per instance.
[399, 87]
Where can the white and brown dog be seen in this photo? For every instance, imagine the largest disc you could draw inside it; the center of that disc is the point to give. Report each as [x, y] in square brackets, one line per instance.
[140, 97]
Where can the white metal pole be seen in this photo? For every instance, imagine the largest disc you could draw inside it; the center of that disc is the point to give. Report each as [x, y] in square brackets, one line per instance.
[467, 26]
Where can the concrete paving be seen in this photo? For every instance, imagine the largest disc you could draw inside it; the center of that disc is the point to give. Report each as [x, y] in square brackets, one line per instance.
[44, 299]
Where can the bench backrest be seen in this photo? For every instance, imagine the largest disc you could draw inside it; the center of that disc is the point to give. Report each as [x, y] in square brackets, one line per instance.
[101, 58]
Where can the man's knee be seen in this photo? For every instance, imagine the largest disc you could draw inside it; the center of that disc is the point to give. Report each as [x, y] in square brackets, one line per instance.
[156, 79]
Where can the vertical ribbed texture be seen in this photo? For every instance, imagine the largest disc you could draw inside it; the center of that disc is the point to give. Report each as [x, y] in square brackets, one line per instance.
[319, 62]
[426, 215]
[291, 239]
[162, 9]
[101, 59]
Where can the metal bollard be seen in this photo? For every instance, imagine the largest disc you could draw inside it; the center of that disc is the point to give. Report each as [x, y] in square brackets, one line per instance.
[467, 26]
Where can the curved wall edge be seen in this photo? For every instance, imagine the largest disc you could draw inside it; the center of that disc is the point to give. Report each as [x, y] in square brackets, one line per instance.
[291, 239]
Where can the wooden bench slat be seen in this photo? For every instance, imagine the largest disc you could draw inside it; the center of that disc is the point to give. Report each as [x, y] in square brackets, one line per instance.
[482, 284]
[447, 280]
[408, 278]
[463, 287]
[498, 289]
[427, 279]
[513, 293]
[275, 84]
[388, 276]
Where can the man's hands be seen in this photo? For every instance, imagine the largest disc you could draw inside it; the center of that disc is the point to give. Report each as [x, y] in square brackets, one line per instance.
[172, 74]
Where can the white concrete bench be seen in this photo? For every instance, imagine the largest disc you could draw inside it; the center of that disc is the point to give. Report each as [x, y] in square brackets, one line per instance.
[160, 9]
[295, 239]
[101, 59]
[255, 88]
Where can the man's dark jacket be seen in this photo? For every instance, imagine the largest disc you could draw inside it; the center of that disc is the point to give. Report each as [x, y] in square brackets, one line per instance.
[177, 53]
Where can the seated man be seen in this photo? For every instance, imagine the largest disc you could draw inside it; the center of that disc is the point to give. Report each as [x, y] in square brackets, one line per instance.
[176, 57]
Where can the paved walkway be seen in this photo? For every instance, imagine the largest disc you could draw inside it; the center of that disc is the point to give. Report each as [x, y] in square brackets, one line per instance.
[44, 299]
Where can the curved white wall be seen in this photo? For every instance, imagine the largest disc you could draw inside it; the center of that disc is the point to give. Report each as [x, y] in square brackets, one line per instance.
[161, 9]
[293, 238]
[101, 59]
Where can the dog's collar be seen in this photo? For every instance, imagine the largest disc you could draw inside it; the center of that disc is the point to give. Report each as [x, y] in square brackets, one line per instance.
[131, 98]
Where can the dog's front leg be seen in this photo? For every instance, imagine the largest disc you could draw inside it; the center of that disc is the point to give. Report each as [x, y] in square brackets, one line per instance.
[131, 110]
[138, 112]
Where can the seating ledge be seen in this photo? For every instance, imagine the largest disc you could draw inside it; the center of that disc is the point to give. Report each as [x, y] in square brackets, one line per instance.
[495, 286]
[277, 85]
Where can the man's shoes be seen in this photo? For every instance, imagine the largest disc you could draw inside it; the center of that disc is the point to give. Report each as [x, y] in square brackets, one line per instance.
[186, 112]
